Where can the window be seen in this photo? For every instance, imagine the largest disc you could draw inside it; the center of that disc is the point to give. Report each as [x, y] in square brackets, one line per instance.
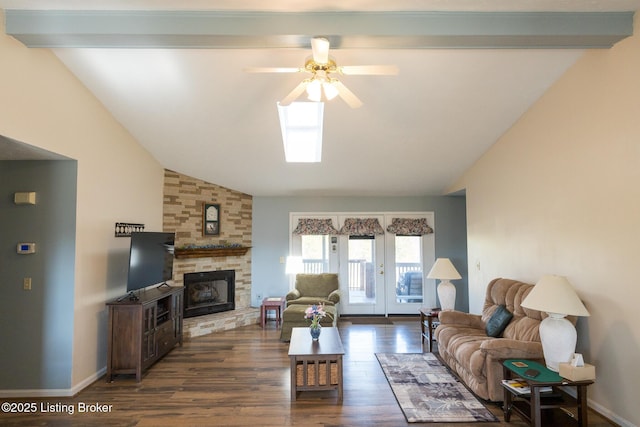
[408, 269]
[315, 254]
[361, 253]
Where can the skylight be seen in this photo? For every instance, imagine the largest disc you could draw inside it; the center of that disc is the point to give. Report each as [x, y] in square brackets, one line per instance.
[301, 125]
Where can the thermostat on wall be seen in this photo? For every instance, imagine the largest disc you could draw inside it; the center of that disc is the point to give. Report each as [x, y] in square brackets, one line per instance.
[26, 248]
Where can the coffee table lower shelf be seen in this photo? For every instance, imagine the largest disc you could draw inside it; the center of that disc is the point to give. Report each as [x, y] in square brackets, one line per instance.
[312, 374]
[316, 365]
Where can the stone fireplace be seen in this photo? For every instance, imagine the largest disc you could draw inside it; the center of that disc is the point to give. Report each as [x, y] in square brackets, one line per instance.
[184, 199]
[209, 292]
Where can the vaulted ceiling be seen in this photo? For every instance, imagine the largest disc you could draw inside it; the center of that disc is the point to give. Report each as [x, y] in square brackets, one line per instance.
[173, 73]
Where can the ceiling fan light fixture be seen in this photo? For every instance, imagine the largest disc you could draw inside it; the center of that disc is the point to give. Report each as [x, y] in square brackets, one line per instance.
[321, 86]
[314, 90]
[330, 91]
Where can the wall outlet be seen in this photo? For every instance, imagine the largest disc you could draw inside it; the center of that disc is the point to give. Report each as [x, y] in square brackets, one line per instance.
[259, 297]
[26, 283]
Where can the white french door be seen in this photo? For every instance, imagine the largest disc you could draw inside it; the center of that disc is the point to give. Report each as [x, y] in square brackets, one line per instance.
[362, 260]
[407, 287]
[379, 275]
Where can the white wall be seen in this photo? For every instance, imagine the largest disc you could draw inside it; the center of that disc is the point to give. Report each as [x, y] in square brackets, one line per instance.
[44, 105]
[560, 193]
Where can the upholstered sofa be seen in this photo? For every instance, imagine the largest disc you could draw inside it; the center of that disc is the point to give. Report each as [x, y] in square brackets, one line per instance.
[310, 289]
[476, 357]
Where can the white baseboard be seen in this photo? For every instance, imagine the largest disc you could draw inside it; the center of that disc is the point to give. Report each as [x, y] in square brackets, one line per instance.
[605, 412]
[88, 381]
[53, 392]
[49, 392]
[610, 415]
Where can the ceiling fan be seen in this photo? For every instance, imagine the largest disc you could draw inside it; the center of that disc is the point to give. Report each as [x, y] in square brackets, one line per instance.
[321, 83]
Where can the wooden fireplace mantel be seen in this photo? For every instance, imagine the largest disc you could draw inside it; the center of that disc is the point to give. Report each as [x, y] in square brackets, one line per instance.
[211, 252]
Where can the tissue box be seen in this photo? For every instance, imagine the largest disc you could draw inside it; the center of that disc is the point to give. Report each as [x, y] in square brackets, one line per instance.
[577, 373]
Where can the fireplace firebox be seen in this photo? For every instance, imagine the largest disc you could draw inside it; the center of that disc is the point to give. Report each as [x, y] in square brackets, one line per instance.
[209, 292]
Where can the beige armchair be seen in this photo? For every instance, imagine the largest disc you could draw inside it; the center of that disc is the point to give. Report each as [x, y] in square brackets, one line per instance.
[310, 289]
[314, 289]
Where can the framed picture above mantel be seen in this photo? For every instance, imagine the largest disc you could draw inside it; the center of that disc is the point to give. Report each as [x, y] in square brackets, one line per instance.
[211, 219]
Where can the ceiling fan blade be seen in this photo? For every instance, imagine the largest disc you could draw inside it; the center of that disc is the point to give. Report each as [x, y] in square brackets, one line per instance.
[372, 70]
[346, 94]
[295, 93]
[320, 48]
[273, 70]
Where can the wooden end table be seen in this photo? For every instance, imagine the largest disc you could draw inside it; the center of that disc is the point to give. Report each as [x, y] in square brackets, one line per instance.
[428, 322]
[316, 365]
[271, 303]
[530, 406]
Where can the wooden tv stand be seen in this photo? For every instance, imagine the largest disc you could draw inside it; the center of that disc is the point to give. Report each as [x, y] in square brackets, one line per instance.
[141, 331]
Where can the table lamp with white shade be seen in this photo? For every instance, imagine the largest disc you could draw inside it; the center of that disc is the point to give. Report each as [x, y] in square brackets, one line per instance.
[444, 270]
[555, 296]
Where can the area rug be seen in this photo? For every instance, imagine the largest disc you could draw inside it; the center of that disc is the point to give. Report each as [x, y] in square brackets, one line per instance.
[427, 392]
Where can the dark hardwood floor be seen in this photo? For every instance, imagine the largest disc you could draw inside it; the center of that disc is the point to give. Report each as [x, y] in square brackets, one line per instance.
[241, 378]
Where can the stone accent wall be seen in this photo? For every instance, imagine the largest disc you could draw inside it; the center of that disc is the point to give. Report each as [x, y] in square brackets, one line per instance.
[184, 198]
[204, 325]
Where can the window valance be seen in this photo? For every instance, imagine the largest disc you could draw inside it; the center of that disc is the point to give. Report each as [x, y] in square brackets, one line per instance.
[361, 227]
[409, 227]
[314, 226]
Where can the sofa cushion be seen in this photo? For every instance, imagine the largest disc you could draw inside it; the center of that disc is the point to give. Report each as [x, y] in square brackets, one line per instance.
[511, 293]
[498, 321]
[297, 313]
[310, 301]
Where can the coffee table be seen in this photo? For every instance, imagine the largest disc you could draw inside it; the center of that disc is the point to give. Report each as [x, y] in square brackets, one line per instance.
[316, 365]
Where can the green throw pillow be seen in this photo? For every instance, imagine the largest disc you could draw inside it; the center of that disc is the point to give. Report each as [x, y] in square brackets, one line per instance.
[498, 321]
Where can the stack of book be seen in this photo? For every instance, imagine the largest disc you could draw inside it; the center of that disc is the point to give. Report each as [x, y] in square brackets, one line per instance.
[519, 386]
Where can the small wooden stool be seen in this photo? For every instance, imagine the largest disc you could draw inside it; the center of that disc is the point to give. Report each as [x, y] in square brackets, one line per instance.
[274, 303]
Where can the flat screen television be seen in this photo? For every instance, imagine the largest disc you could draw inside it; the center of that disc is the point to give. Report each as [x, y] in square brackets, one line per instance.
[150, 259]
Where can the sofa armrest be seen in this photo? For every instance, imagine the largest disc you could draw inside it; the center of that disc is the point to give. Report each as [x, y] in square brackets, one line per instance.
[334, 296]
[452, 317]
[503, 348]
[293, 294]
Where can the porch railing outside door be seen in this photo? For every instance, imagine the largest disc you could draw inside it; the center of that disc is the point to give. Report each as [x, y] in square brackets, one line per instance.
[359, 271]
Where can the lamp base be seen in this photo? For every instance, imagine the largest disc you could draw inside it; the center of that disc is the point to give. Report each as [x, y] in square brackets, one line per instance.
[447, 295]
[558, 337]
